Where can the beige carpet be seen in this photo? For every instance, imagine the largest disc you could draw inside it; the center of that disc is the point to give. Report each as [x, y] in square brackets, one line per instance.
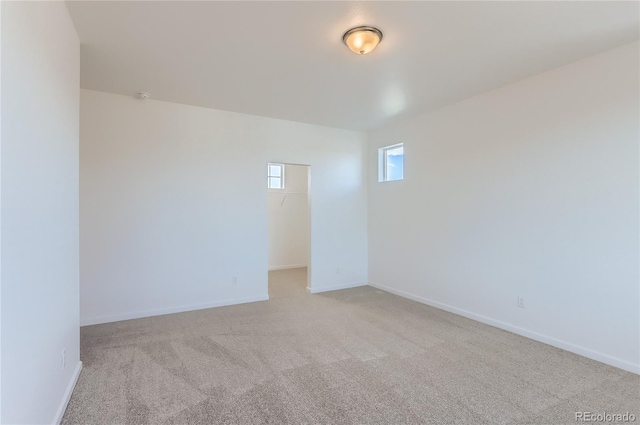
[357, 356]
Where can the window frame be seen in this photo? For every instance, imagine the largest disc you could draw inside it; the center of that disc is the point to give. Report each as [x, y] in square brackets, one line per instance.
[382, 163]
[281, 176]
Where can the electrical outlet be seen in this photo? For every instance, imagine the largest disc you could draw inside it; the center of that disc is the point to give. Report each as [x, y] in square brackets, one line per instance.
[337, 270]
[521, 302]
[64, 358]
[234, 280]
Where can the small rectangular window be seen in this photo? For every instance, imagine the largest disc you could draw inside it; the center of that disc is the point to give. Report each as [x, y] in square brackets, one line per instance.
[275, 176]
[391, 163]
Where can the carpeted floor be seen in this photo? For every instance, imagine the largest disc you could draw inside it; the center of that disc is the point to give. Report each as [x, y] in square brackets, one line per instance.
[357, 356]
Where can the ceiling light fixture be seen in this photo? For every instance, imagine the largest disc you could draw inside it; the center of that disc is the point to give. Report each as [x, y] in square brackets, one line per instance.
[362, 40]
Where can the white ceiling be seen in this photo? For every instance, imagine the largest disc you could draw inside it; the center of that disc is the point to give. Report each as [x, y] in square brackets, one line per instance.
[286, 59]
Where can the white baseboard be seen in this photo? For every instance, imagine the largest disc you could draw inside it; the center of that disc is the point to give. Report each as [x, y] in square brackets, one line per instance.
[292, 266]
[582, 351]
[67, 394]
[335, 287]
[160, 312]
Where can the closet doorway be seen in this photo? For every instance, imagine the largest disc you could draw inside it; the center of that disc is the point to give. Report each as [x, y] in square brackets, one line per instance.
[289, 221]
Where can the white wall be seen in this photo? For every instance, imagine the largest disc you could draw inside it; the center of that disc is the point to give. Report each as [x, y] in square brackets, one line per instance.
[39, 207]
[0, 212]
[529, 190]
[289, 227]
[173, 204]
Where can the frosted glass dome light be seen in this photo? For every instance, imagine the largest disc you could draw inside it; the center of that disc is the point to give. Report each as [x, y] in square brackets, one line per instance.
[362, 40]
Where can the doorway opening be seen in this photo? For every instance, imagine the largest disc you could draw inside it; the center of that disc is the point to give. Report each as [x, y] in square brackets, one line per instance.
[289, 221]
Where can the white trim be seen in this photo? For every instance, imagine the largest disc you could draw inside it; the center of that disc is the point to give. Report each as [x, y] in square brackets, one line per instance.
[293, 266]
[335, 287]
[67, 394]
[171, 310]
[577, 349]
